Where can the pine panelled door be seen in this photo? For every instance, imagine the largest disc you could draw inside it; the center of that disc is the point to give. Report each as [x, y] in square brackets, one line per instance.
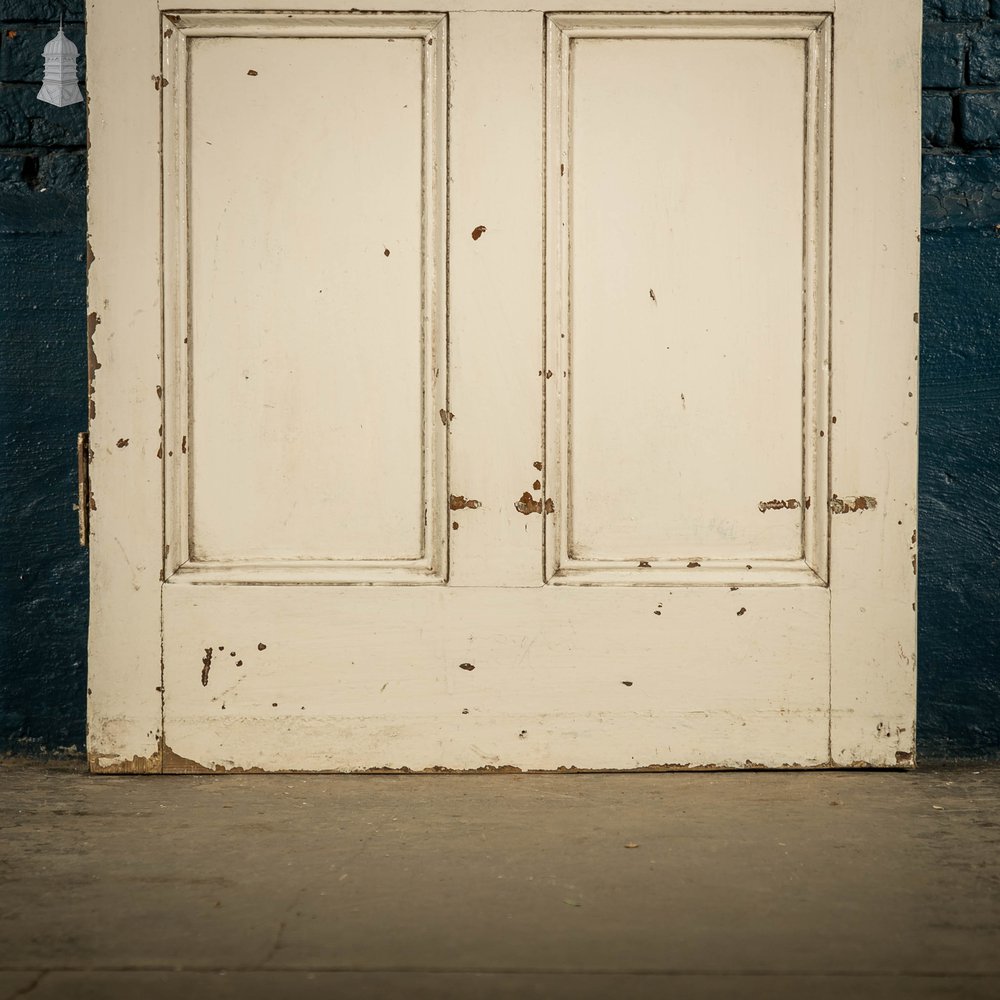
[491, 389]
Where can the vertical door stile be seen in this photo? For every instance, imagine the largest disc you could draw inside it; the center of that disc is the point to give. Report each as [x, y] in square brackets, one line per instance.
[497, 362]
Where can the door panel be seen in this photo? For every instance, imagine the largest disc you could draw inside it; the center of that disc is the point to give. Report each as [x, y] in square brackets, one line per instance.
[688, 319]
[600, 325]
[309, 336]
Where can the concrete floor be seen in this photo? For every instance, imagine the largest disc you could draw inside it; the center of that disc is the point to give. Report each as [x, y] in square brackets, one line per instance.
[805, 885]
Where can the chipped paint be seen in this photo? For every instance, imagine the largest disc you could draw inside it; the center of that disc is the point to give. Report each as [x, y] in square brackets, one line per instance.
[766, 505]
[446, 416]
[93, 365]
[851, 505]
[460, 503]
[478, 231]
[466, 666]
[528, 505]
[121, 443]
[206, 665]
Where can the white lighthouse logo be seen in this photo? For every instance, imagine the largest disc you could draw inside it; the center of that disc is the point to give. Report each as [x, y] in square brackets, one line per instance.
[59, 85]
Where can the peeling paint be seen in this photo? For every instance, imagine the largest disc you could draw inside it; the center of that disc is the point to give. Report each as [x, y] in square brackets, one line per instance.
[206, 665]
[460, 503]
[528, 505]
[850, 505]
[766, 505]
[93, 365]
[478, 231]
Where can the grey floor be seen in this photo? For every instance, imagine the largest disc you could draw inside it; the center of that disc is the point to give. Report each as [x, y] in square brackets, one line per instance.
[804, 885]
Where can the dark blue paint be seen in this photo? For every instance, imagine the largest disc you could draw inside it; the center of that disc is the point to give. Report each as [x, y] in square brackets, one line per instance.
[43, 590]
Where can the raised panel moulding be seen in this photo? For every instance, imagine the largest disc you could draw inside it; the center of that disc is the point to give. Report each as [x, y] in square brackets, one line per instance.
[687, 287]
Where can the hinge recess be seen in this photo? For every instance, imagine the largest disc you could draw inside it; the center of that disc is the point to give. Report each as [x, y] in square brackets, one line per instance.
[82, 505]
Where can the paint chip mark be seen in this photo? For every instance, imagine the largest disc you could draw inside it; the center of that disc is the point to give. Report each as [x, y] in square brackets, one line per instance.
[537, 484]
[121, 443]
[385, 252]
[627, 684]
[465, 711]
[446, 416]
[466, 666]
[460, 503]
[184, 445]
[902, 757]
[527, 505]
[741, 612]
[261, 646]
[652, 295]
[93, 321]
[644, 564]
[159, 82]
[251, 72]
[12, 34]
[454, 525]
[631, 845]
[694, 564]
[239, 663]
[537, 465]
[206, 666]
[168, 32]
[523, 734]
[765, 505]
[478, 231]
[851, 505]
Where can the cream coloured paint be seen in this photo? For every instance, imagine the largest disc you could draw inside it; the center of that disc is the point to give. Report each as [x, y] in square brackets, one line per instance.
[497, 397]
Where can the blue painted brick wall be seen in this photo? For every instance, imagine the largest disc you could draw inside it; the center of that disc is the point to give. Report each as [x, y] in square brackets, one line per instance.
[959, 649]
[43, 571]
[43, 593]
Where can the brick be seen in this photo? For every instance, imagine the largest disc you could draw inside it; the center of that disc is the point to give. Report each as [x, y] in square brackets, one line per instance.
[956, 10]
[42, 10]
[944, 56]
[979, 118]
[26, 121]
[13, 167]
[15, 126]
[937, 119]
[961, 191]
[984, 56]
[63, 172]
[21, 46]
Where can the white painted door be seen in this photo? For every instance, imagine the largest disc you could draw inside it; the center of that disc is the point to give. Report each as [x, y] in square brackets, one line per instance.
[503, 389]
